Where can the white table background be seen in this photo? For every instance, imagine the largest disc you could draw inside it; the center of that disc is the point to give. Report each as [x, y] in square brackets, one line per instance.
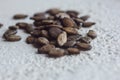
[18, 60]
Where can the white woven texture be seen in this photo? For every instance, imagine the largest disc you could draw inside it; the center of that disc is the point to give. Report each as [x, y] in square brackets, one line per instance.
[19, 61]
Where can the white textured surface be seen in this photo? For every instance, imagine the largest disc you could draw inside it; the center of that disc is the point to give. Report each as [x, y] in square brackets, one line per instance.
[18, 60]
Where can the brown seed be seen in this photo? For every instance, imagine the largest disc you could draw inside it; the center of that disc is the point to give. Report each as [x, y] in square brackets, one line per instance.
[84, 46]
[74, 37]
[62, 38]
[22, 25]
[78, 21]
[13, 27]
[38, 18]
[39, 28]
[9, 32]
[54, 32]
[73, 50]
[53, 25]
[67, 22]
[85, 39]
[88, 24]
[1, 25]
[71, 30]
[36, 33]
[53, 11]
[48, 22]
[42, 41]
[53, 42]
[40, 14]
[30, 40]
[72, 13]
[37, 23]
[84, 18]
[69, 43]
[92, 34]
[46, 48]
[20, 16]
[56, 52]
[44, 33]
[13, 38]
[51, 17]
[29, 28]
[62, 15]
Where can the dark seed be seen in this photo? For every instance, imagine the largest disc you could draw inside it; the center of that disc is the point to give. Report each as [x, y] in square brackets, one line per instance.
[30, 40]
[73, 50]
[9, 32]
[69, 43]
[54, 32]
[78, 21]
[74, 37]
[29, 28]
[51, 17]
[48, 22]
[92, 34]
[85, 39]
[37, 23]
[22, 25]
[71, 30]
[44, 33]
[84, 18]
[68, 22]
[72, 13]
[56, 52]
[38, 18]
[42, 41]
[88, 24]
[53, 11]
[13, 27]
[53, 25]
[84, 46]
[13, 38]
[62, 38]
[62, 15]
[36, 33]
[39, 14]
[46, 48]
[20, 16]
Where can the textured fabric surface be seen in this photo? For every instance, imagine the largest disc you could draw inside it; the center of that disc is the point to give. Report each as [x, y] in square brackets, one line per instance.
[19, 61]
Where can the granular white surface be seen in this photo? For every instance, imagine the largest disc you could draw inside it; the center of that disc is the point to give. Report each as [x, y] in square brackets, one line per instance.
[19, 61]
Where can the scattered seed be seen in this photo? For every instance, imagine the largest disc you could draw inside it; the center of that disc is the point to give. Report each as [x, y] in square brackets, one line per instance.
[71, 30]
[70, 43]
[13, 38]
[88, 24]
[1, 25]
[84, 18]
[85, 39]
[84, 46]
[22, 25]
[20, 16]
[92, 34]
[42, 41]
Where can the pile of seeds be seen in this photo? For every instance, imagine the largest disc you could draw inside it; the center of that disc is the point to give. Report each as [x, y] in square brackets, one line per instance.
[54, 32]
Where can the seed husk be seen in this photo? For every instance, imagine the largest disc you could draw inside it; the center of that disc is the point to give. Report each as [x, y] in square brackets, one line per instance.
[22, 25]
[71, 30]
[88, 24]
[92, 34]
[30, 40]
[13, 38]
[68, 22]
[56, 52]
[54, 32]
[84, 18]
[84, 46]
[73, 50]
[62, 38]
[85, 39]
[46, 48]
[42, 41]
[20, 16]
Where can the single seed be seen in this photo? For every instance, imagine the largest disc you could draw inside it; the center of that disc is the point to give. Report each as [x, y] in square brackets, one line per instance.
[47, 22]
[29, 28]
[20, 16]
[71, 30]
[37, 23]
[73, 50]
[13, 27]
[42, 41]
[13, 38]
[92, 34]
[46, 48]
[62, 38]
[74, 37]
[36, 33]
[84, 46]
[88, 24]
[53, 11]
[44, 33]
[1, 25]
[68, 22]
[62, 15]
[69, 43]
[56, 52]
[22, 25]
[30, 40]
[84, 18]
[72, 13]
[54, 32]
[85, 39]
[8, 33]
